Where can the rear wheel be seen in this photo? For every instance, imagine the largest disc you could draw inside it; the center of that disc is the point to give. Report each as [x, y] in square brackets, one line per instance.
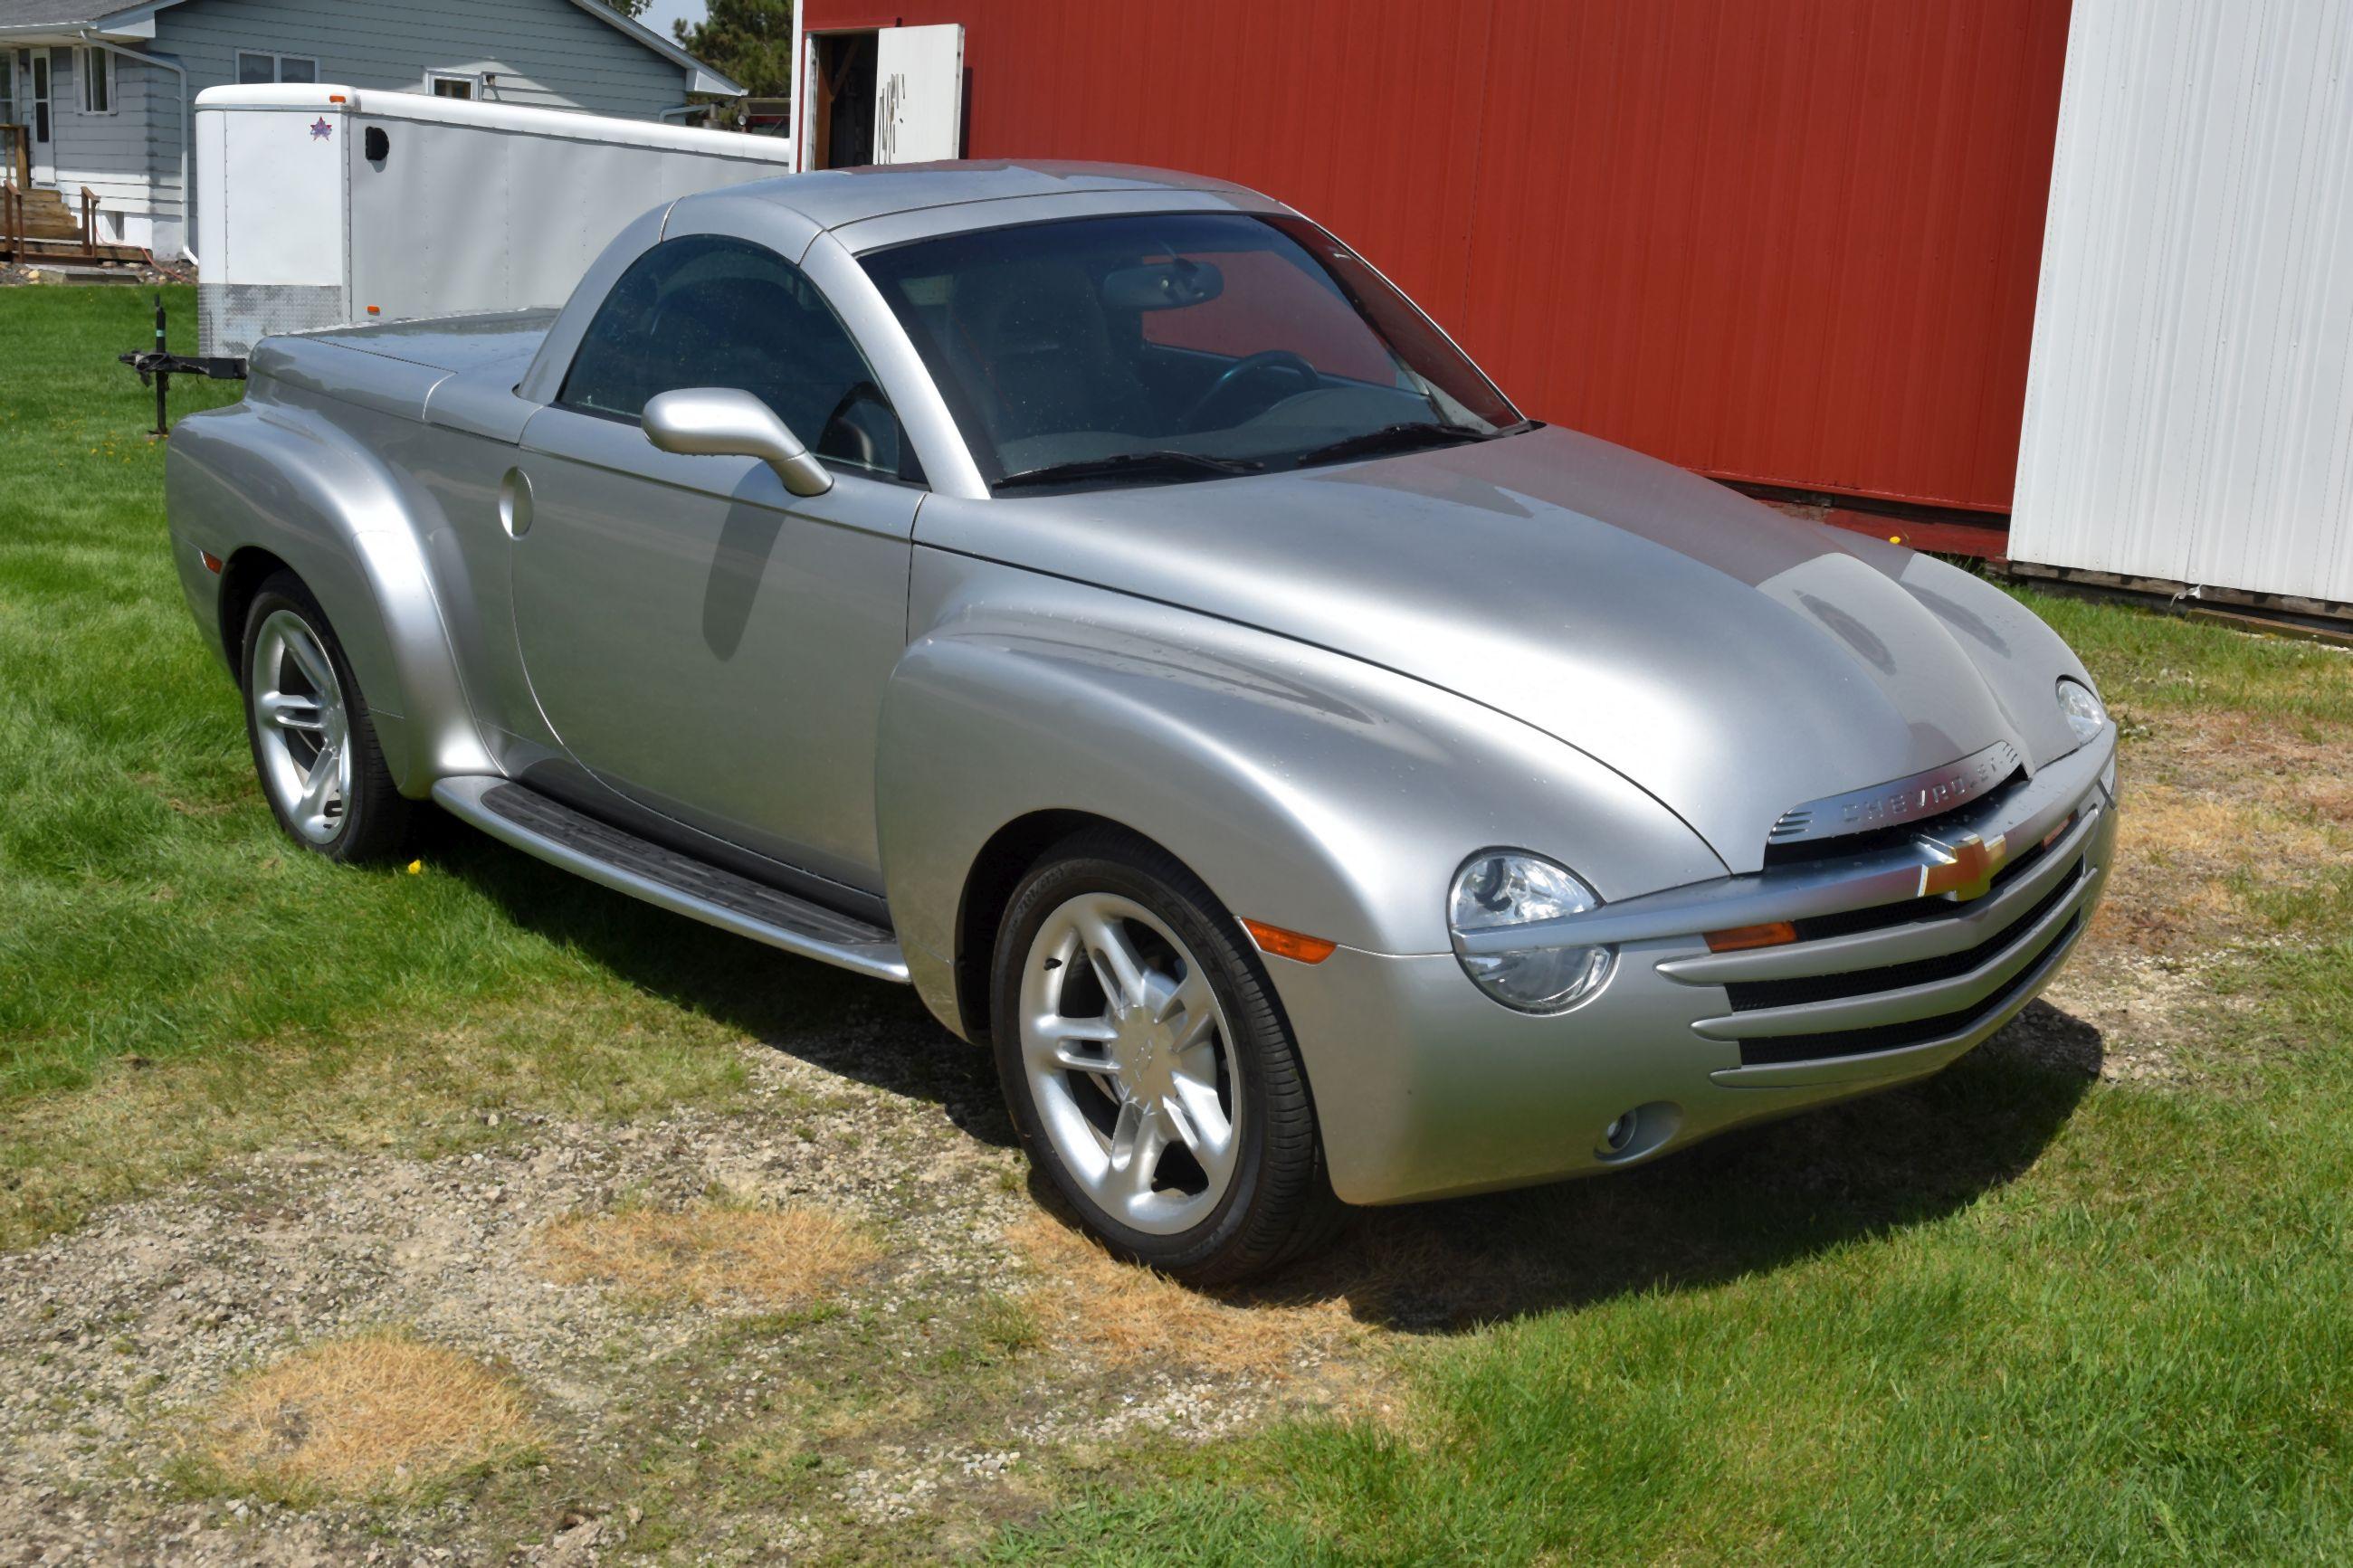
[1149, 1069]
[314, 747]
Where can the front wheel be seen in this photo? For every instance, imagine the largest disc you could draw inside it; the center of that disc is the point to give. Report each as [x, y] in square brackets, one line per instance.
[1148, 1068]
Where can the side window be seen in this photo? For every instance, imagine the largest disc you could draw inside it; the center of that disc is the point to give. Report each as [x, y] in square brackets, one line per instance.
[709, 311]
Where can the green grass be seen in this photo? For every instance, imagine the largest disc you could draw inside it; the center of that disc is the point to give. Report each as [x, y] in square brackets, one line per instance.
[176, 983]
[2007, 1317]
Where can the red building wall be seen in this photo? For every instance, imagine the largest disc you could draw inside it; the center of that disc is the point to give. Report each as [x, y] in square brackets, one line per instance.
[1789, 241]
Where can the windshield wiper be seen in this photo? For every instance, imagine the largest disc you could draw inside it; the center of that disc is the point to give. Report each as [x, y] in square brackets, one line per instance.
[1159, 464]
[1394, 439]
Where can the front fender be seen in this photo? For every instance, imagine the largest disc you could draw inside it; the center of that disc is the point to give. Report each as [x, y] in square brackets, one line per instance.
[1307, 789]
[285, 478]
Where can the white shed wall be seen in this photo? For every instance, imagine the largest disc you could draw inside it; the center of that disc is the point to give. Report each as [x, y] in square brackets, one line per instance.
[2189, 400]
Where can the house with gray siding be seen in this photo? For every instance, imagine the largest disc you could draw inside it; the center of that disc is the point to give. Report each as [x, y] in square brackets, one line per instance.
[101, 94]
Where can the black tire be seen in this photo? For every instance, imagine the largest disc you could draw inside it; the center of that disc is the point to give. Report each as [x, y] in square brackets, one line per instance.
[1280, 1204]
[378, 823]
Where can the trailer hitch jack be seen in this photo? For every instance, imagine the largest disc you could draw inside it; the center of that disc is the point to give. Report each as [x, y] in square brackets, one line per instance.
[156, 367]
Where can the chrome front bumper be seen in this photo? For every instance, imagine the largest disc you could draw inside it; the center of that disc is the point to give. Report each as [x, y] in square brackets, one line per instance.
[1426, 1087]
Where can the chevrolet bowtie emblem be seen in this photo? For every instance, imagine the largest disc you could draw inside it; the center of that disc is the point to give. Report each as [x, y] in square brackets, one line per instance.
[1962, 869]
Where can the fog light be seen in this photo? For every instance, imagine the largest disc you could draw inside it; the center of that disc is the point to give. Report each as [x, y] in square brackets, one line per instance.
[1640, 1133]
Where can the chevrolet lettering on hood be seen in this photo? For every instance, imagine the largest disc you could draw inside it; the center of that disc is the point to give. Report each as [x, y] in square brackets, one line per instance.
[1916, 799]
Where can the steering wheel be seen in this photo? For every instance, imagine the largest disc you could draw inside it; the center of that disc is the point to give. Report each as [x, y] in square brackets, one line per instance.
[846, 441]
[1243, 371]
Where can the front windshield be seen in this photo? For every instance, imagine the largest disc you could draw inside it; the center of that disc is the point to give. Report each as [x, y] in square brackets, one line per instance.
[1176, 345]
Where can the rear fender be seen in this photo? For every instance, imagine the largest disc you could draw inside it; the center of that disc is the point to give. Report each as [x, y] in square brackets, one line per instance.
[284, 479]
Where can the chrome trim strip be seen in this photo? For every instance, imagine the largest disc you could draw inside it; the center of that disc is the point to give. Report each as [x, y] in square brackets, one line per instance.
[1926, 795]
[1831, 886]
[1928, 1001]
[1894, 944]
[462, 797]
[1904, 1061]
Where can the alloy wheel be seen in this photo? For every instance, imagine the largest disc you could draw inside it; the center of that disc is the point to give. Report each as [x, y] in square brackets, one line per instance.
[1130, 1063]
[302, 729]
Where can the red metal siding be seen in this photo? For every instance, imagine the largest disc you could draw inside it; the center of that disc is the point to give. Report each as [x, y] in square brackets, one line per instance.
[1791, 241]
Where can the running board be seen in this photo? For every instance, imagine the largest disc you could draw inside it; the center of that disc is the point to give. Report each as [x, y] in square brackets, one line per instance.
[539, 824]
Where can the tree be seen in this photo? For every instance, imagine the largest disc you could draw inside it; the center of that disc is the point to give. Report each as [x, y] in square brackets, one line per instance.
[632, 9]
[750, 40]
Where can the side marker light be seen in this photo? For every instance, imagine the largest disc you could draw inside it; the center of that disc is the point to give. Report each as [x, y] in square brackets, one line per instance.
[1288, 944]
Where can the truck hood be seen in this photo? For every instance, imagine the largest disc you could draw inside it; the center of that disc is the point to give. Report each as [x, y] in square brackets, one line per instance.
[1730, 660]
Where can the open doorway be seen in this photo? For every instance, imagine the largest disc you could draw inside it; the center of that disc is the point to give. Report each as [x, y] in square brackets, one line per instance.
[889, 95]
[841, 107]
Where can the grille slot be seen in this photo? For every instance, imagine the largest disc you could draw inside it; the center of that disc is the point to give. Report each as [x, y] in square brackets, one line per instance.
[1780, 1049]
[1748, 996]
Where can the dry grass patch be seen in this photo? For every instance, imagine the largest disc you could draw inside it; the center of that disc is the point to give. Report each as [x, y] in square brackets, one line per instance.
[2217, 805]
[706, 1254]
[1133, 1316]
[366, 1415]
[2203, 814]
[391, 1083]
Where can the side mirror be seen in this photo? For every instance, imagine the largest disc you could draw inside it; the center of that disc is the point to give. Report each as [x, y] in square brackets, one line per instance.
[723, 422]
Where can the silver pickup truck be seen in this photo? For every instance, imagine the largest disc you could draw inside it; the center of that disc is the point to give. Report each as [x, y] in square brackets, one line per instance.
[1096, 598]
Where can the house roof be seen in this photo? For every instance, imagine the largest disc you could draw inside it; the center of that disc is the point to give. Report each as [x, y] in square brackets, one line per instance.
[50, 13]
[113, 16]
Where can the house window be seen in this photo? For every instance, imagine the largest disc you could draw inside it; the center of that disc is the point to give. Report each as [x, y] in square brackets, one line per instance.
[97, 71]
[256, 67]
[451, 84]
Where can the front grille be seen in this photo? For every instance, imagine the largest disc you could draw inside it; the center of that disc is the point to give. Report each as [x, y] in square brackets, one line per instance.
[1748, 996]
[1779, 1048]
[1933, 908]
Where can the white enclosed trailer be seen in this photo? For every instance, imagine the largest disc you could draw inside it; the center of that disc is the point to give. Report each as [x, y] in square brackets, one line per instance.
[319, 205]
[2189, 420]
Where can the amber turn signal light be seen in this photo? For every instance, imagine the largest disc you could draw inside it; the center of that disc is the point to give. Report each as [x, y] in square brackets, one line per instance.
[1288, 943]
[213, 563]
[1773, 933]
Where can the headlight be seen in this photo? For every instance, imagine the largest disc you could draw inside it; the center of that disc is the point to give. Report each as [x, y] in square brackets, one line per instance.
[2084, 714]
[1499, 890]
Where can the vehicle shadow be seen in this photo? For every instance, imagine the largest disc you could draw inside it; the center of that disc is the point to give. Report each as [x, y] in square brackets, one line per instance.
[866, 1030]
[1751, 1200]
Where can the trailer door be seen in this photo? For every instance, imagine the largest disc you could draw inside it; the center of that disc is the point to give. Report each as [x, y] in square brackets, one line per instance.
[919, 94]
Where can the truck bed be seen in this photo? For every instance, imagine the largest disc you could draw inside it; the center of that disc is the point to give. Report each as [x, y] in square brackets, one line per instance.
[445, 342]
[400, 367]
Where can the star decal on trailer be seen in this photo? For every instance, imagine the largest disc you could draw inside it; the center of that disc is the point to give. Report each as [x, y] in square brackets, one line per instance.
[320, 129]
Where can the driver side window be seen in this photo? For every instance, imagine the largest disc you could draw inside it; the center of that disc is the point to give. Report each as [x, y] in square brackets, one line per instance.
[712, 311]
